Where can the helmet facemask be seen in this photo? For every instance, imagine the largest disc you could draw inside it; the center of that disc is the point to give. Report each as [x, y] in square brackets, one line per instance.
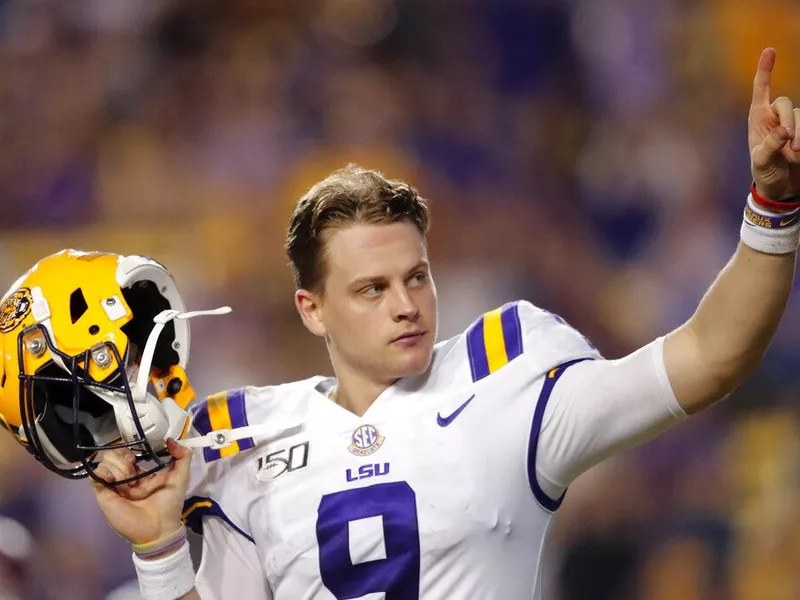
[80, 416]
[74, 432]
[94, 347]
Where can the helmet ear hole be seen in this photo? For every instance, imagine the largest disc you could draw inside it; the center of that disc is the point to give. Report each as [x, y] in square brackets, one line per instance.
[146, 302]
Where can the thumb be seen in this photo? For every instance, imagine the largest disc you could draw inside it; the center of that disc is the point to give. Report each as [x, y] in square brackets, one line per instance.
[183, 461]
[772, 145]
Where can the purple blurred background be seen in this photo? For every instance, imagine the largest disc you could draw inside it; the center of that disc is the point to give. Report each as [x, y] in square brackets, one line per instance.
[587, 155]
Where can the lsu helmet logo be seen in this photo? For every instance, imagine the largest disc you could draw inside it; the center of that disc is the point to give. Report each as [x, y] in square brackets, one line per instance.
[366, 440]
[14, 309]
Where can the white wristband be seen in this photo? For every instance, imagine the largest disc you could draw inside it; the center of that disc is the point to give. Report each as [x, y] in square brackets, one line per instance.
[770, 232]
[166, 578]
[770, 241]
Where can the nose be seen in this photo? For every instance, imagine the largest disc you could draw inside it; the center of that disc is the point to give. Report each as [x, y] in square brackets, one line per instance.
[403, 306]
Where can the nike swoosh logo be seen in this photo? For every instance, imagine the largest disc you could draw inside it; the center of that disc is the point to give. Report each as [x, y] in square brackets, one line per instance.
[445, 421]
[789, 221]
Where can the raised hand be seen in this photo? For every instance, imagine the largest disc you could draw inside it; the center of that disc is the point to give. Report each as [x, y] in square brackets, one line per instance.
[147, 509]
[773, 136]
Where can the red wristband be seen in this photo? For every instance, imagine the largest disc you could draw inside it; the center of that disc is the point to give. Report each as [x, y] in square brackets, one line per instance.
[784, 204]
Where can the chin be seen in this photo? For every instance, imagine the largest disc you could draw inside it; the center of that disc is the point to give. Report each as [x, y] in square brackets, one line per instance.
[414, 363]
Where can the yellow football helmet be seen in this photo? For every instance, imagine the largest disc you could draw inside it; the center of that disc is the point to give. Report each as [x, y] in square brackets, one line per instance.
[82, 334]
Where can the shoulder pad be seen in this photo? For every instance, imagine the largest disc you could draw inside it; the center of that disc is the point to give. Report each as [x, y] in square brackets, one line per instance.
[494, 340]
[516, 328]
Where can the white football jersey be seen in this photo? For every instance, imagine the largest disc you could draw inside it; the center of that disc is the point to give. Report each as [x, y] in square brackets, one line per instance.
[436, 492]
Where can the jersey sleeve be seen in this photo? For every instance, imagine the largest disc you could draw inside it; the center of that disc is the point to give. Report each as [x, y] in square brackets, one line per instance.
[212, 493]
[599, 408]
[520, 329]
[576, 407]
[230, 566]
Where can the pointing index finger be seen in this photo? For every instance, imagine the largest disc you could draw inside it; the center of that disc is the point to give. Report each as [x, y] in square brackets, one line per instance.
[761, 83]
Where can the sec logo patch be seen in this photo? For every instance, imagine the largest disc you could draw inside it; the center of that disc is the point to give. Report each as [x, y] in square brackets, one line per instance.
[14, 309]
[365, 440]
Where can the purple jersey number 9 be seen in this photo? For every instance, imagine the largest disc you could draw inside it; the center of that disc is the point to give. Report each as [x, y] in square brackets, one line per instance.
[397, 575]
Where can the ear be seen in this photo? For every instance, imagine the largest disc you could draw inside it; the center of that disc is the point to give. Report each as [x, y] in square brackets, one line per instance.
[309, 306]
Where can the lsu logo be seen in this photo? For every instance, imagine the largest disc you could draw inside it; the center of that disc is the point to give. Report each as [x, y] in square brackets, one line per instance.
[367, 471]
[14, 309]
[366, 440]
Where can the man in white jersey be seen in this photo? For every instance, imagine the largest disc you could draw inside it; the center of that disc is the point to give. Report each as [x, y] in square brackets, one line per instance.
[433, 470]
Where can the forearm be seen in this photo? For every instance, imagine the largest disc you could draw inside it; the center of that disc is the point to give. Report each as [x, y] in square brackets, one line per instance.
[192, 595]
[726, 338]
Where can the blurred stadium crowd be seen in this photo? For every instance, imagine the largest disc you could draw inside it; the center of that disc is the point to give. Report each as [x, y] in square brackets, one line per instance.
[587, 155]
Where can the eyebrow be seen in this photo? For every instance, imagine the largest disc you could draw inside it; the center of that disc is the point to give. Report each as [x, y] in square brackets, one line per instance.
[365, 281]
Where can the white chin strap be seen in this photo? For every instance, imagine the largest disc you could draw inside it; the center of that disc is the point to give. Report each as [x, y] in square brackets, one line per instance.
[161, 320]
[159, 419]
[163, 419]
[221, 438]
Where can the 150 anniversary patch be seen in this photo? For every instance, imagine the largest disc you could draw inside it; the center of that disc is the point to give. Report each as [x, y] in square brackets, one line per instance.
[14, 309]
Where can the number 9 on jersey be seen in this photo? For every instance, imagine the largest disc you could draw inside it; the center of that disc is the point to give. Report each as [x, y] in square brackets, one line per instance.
[396, 575]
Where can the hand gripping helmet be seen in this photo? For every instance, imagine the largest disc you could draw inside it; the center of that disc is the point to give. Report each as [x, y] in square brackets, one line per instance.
[83, 335]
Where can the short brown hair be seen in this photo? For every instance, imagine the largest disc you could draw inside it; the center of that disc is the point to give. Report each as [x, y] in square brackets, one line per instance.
[348, 196]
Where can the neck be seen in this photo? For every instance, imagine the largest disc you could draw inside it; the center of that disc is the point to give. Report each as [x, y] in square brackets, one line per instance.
[355, 392]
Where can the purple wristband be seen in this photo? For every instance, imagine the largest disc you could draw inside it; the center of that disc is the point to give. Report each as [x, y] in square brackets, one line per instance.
[777, 221]
[168, 549]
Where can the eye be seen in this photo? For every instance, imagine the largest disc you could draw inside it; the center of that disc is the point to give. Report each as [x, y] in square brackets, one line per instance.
[372, 291]
[419, 278]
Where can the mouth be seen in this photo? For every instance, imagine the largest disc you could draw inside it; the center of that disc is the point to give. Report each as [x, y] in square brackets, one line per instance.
[410, 337]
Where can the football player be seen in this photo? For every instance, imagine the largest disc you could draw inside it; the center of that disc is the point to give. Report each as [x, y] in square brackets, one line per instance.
[427, 469]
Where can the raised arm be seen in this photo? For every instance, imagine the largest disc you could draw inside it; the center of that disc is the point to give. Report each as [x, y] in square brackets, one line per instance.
[599, 408]
[726, 338]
